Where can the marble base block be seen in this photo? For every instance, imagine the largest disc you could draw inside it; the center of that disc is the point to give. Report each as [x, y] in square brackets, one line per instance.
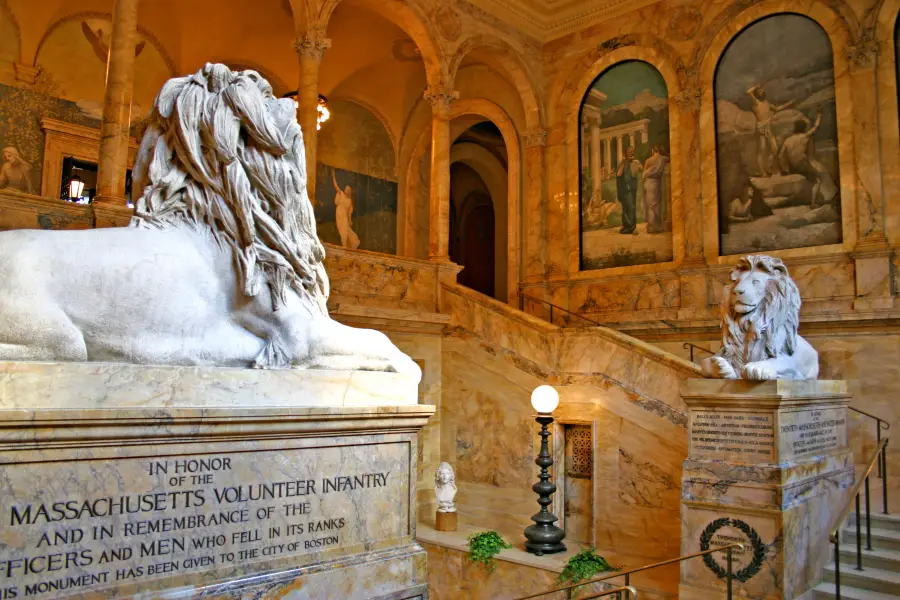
[211, 498]
[445, 521]
[768, 467]
[96, 385]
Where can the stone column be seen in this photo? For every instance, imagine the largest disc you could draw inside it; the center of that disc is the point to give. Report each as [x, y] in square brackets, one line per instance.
[533, 220]
[872, 253]
[110, 207]
[441, 99]
[310, 47]
[596, 167]
[694, 303]
[609, 155]
[619, 148]
[768, 467]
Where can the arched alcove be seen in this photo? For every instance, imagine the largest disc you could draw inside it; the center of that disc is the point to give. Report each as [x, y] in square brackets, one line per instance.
[777, 138]
[356, 181]
[624, 147]
[74, 52]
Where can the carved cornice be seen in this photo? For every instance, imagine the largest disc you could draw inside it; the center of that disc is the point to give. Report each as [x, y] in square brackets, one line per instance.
[536, 138]
[312, 44]
[441, 99]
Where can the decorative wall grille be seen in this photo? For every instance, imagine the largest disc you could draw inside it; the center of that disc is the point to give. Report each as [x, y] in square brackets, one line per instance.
[579, 451]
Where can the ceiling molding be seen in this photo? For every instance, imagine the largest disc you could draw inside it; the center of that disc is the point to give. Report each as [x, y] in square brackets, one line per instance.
[550, 20]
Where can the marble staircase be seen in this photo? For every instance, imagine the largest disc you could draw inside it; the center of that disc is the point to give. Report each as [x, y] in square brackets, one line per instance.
[880, 577]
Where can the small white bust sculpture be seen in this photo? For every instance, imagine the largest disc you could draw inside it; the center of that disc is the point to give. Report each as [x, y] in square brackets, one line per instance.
[760, 317]
[445, 488]
[221, 265]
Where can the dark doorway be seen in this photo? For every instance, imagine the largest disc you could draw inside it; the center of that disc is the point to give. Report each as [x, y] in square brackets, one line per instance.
[474, 245]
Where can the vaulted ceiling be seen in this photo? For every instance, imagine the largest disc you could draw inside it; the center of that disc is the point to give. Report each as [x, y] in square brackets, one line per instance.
[549, 19]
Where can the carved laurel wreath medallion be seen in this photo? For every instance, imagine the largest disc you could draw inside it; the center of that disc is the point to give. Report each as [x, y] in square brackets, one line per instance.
[759, 548]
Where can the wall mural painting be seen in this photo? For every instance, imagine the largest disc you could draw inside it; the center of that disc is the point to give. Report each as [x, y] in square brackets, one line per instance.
[626, 209]
[21, 137]
[776, 138]
[356, 181]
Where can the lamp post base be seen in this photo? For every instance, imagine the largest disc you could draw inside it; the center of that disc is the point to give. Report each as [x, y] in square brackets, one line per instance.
[543, 537]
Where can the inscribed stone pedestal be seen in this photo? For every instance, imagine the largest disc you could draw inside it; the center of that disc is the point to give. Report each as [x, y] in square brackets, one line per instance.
[194, 492]
[768, 467]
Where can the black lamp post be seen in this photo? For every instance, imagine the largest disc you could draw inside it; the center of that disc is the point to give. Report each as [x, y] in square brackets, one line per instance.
[544, 537]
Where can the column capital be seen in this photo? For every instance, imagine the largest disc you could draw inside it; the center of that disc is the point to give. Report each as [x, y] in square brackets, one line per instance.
[536, 138]
[312, 44]
[441, 99]
[689, 99]
[863, 54]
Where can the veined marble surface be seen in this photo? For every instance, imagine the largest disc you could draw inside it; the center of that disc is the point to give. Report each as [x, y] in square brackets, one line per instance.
[36, 385]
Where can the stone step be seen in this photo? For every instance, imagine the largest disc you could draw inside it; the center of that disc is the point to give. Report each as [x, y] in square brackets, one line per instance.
[874, 580]
[825, 591]
[888, 560]
[882, 539]
[879, 520]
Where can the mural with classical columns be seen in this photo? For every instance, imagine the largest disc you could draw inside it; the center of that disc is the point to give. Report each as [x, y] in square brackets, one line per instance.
[626, 216]
[776, 138]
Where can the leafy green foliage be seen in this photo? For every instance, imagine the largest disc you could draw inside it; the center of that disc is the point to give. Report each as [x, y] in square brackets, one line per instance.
[484, 546]
[584, 566]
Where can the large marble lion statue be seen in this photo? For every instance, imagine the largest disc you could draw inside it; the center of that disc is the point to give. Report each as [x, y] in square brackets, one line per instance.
[221, 265]
[760, 317]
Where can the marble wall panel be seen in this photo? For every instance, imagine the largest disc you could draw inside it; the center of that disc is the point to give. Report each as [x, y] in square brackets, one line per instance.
[647, 293]
[363, 278]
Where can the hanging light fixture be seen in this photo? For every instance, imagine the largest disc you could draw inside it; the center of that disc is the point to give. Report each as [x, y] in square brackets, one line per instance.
[323, 113]
[76, 187]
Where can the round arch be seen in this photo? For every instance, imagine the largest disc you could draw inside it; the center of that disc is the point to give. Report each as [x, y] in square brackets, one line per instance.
[495, 177]
[508, 61]
[835, 27]
[410, 19]
[499, 117]
[101, 15]
[571, 115]
[356, 99]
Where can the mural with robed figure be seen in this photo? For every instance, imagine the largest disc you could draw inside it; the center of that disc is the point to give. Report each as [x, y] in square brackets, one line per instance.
[626, 211]
[356, 183]
[776, 138]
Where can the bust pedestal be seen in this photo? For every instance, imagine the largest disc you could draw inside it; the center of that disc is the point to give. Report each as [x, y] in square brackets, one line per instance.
[225, 483]
[768, 467]
[445, 521]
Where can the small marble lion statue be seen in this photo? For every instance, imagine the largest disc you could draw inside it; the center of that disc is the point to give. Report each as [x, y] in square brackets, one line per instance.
[445, 488]
[760, 317]
[221, 265]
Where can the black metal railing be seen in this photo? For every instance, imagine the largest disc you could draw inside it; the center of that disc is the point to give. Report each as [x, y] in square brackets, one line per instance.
[564, 316]
[692, 347]
[880, 425]
[729, 574]
[879, 457]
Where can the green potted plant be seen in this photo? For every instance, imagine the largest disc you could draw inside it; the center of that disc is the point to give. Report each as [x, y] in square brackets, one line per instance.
[583, 566]
[484, 546]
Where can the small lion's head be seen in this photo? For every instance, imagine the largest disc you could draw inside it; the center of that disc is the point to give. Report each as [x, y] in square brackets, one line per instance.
[760, 311]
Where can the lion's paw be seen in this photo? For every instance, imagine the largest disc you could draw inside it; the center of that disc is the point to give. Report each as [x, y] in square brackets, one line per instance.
[721, 368]
[758, 371]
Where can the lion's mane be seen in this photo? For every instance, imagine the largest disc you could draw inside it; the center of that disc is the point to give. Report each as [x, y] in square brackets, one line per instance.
[212, 158]
[771, 329]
